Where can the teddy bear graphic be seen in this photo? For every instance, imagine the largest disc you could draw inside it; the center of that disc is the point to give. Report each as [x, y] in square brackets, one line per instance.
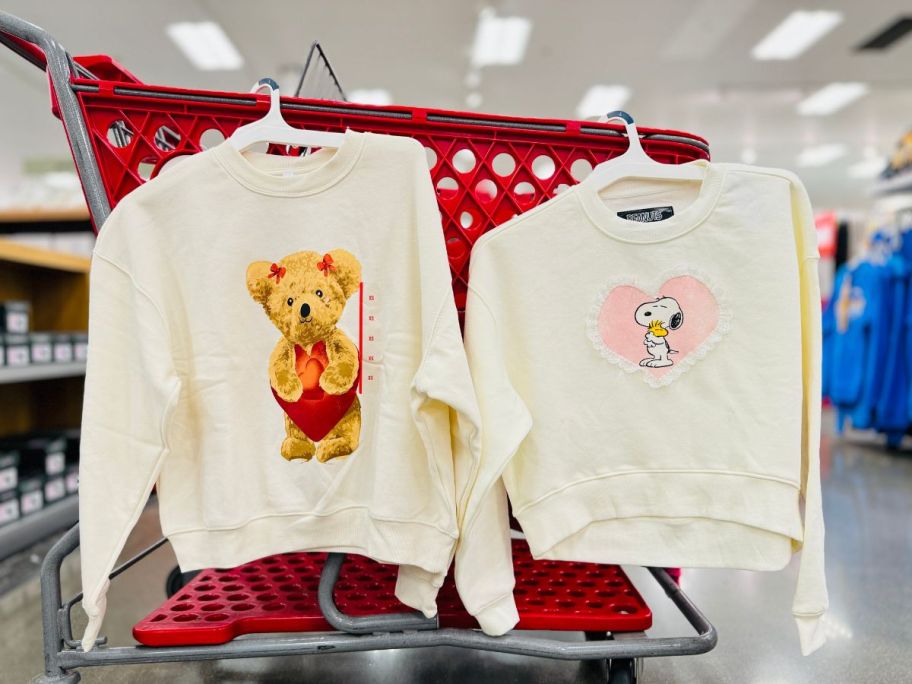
[314, 368]
[658, 317]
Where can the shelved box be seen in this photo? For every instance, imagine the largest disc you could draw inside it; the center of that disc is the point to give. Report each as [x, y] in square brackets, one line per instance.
[41, 347]
[9, 470]
[54, 451]
[80, 346]
[54, 489]
[31, 494]
[15, 316]
[72, 435]
[63, 347]
[71, 479]
[71, 474]
[17, 349]
[43, 454]
[9, 507]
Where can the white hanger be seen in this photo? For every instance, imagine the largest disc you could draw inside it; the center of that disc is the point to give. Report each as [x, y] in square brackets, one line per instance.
[635, 163]
[273, 128]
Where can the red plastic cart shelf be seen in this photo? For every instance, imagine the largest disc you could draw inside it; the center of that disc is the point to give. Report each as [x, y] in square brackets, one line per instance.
[279, 594]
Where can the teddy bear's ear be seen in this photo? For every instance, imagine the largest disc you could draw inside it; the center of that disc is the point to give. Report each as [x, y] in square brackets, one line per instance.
[259, 284]
[347, 271]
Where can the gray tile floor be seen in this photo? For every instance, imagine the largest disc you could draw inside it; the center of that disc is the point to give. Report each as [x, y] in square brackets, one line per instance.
[868, 502]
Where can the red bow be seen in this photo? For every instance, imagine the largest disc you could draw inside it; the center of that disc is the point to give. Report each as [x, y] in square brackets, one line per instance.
[277, 272]
[326, 265]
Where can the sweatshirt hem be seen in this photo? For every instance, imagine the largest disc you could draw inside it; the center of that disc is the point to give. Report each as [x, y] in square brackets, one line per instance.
[668, 518]
[350, 530]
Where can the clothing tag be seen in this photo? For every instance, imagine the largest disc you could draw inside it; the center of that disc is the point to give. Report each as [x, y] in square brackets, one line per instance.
[650, 215]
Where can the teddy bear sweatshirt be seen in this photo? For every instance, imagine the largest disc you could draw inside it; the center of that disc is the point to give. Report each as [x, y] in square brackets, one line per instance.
[649, 388]
[275, 347]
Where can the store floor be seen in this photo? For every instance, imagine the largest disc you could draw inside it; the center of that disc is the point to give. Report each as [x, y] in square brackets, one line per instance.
[868, 502]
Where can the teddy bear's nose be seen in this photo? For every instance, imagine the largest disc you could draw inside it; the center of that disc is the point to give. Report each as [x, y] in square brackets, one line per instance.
[305, 310]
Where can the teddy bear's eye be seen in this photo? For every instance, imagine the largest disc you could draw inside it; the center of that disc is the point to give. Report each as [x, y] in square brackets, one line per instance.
[290, 301]
[319, 293]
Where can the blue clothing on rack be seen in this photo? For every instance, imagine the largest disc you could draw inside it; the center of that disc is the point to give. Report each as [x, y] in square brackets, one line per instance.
[856, 341]
[892, 408]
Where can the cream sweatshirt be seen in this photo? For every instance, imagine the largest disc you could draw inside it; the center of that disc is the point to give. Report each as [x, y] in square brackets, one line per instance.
[275, 347]
[647, 363]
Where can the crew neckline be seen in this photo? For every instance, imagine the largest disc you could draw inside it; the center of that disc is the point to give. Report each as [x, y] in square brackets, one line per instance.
[682, 222]
[307, 175]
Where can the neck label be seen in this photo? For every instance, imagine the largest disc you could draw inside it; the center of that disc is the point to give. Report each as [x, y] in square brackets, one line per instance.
[650, 215]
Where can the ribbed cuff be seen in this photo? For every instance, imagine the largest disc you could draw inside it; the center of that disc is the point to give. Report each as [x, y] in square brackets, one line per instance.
[810, 633]
[418, 589]
[499, 617]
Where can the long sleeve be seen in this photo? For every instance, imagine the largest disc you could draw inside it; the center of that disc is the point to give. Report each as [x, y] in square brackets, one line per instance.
[443, 402]
[811, 601]
[484, 564]
[130, 385]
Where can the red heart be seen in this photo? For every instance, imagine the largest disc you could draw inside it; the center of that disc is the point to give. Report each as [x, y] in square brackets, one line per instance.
[317, 411]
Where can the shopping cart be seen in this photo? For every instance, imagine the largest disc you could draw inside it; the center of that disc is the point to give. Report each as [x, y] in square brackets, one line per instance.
[486, 169]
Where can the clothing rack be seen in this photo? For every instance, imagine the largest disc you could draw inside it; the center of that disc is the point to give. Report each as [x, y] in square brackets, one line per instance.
[114, 123]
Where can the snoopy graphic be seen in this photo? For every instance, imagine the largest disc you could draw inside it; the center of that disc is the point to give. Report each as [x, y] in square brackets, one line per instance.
[658, 317]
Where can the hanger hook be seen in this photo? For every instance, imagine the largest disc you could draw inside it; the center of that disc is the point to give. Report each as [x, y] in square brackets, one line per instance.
[619, 114]
[273, 88]
[265, 83]
[633, 135]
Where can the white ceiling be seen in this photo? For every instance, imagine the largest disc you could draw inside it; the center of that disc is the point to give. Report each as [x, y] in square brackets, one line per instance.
[687, 62]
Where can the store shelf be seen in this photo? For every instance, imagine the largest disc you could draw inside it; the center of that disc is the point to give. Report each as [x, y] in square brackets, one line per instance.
[41, 372]
[69, 220]
[43, 258]
[35, 527]
[899, 183]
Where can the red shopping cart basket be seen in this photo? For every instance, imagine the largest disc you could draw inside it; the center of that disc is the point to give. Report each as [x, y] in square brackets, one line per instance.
[486, 169]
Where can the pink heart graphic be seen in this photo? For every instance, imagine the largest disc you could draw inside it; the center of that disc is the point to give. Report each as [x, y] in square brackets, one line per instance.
[624, 337]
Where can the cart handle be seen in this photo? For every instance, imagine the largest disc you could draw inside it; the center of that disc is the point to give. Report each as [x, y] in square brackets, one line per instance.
[38, 47]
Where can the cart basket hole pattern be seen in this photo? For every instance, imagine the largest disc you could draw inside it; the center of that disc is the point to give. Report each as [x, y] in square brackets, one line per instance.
[279, 594]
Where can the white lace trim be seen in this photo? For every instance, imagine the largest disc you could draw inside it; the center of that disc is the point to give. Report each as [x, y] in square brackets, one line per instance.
[652, 287]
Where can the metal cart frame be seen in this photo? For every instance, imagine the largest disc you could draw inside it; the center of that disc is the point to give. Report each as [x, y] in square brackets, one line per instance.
[63, 654]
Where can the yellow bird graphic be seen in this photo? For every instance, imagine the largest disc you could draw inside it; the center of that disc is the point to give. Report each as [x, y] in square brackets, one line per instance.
[657, 328]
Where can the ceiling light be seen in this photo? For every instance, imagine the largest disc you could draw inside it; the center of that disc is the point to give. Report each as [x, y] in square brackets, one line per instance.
[205, 44]
[820, 155]
[796, 33]
[601, 99]
[371, 96]
[831, 98]
[869, 168]
[500, 40]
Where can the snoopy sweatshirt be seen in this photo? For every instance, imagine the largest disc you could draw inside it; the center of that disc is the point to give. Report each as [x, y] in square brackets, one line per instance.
[647, 364]
[275, 347]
